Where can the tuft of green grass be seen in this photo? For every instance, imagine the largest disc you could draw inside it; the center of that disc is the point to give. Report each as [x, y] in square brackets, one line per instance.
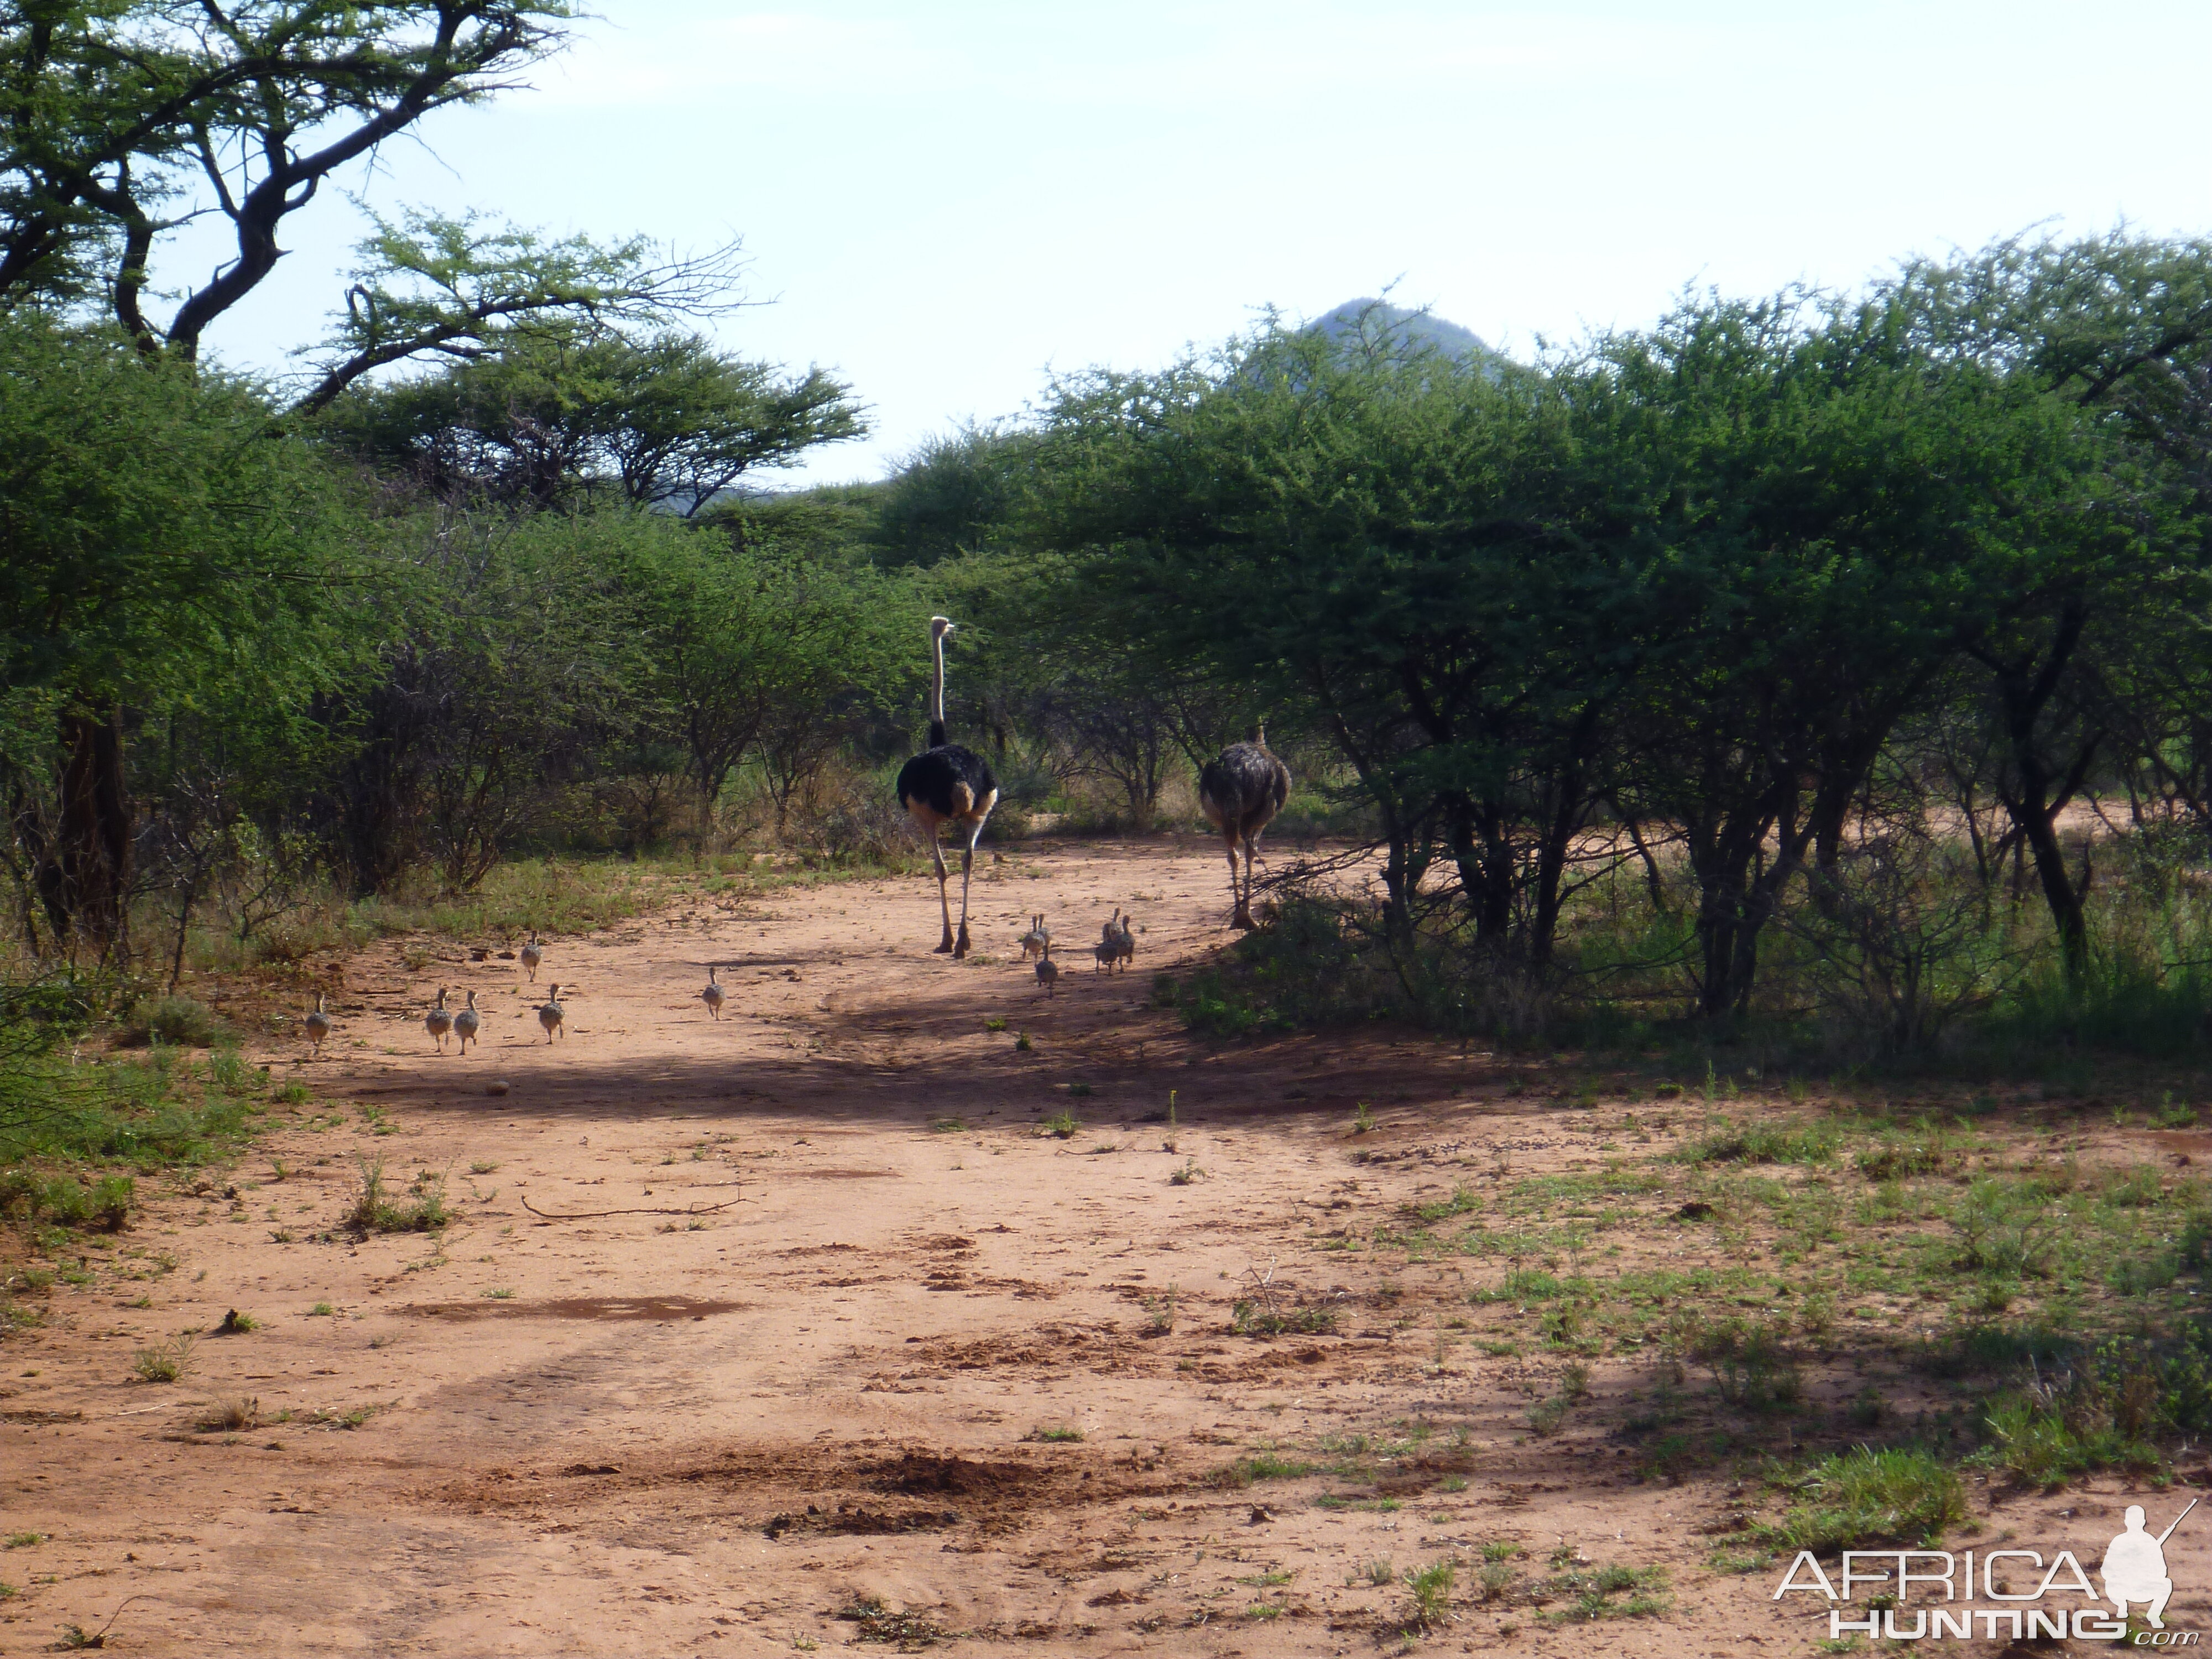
[1609, 1592]
[1061, 1126]
[947, 1125]
[1054, 1435]
[375, 1210]
[23, 1541]
[1160, 1312]
[2050, 1432]
[1260, 1466]
[1461, 1202]
[1363, 1118]
[1762, 1143]
[165, 1364]
[1863, 1499]
[1249, 1318]
[1923, 1151]
[996, 1022]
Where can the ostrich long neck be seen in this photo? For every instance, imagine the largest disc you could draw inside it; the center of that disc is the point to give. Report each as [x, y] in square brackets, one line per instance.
[937, 694]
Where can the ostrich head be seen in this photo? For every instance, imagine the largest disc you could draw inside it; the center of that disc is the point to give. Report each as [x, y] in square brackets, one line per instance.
[940, 626]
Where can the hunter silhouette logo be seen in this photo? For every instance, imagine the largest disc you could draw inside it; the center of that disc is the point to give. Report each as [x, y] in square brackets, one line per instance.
[2135, 1567]
[1919, 1593]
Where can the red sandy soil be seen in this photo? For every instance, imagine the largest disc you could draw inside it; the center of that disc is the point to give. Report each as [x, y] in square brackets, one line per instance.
[664, 1432]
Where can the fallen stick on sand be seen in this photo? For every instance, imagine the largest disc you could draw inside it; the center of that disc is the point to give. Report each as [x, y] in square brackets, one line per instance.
[593, 1215]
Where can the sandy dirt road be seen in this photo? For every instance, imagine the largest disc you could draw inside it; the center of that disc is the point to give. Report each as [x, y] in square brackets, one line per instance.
[832, 1398]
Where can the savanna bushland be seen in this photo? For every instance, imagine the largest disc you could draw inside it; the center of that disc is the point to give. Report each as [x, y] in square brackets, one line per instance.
[1793, 719]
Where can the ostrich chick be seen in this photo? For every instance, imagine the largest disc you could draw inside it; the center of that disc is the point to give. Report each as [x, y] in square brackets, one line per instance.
[318, 1027]
[712, 994]
[467, 1024]
[439, 1022]
[551, 1014]
[1125, 941]
[1048, 970]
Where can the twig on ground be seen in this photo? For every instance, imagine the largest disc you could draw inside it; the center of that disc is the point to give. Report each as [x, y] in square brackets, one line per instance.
[590, 1215]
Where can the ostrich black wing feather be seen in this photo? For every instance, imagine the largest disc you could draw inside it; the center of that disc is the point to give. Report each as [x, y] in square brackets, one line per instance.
[939, 777]
[1245, 784]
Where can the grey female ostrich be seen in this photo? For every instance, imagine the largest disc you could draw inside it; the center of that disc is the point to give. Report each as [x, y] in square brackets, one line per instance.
[947, 784]
[1240, 792]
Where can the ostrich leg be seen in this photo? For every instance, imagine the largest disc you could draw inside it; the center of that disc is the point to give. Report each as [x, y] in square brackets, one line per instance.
[967, 869]
[944, 904]
[1235, 893]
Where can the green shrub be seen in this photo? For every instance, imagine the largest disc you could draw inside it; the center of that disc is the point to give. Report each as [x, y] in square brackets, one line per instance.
[65, 1200]
[181, 1022]
[1751, 1363]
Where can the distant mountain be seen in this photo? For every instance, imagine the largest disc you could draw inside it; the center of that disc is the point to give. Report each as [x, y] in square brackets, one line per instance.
[1377, 320]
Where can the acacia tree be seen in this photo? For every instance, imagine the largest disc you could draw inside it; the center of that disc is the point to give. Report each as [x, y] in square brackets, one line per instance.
[1383, 542]
[2118, 329]
[563, 419]
[123, 121]
[157, 549]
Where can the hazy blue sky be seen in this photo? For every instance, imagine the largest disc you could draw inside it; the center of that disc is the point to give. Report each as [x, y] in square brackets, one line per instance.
[942, 202]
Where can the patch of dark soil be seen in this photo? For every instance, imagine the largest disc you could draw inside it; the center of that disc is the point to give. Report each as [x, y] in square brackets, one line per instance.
[858, 1519]
[924, 1471]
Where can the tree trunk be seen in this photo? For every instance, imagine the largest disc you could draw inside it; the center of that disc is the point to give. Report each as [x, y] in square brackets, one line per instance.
[1480, 845]
[1553, 846]
[93, 850]
[2041, 792]
[2038, 829]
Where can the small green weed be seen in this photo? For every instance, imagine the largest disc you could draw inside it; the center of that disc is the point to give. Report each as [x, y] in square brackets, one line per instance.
[165, 1364]
[1428, 1590]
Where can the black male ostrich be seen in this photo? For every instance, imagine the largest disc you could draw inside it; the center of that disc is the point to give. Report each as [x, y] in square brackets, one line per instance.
[1240, 792]
[947, 784]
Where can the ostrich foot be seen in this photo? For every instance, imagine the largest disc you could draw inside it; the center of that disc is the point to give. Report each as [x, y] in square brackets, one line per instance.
[962, 948]
[1243, 921]
[943, 946]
